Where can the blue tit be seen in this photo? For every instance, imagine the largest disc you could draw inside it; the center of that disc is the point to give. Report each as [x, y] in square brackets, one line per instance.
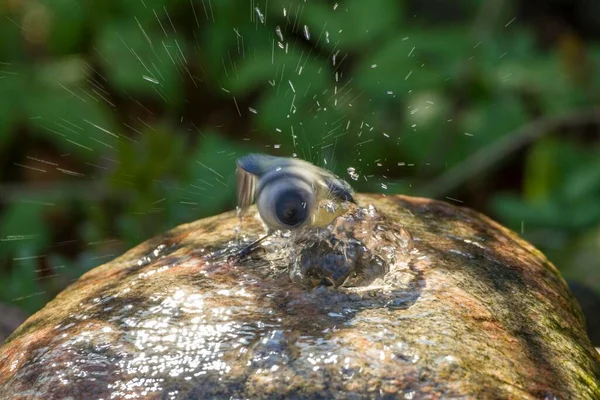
[287, 190]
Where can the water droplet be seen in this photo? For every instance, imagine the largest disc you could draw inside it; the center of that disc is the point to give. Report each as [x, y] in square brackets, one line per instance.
[352, 173]
[150, 79]
[279, 34]
[260, 15]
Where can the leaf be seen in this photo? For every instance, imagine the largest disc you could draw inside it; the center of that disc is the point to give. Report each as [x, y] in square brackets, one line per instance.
[291, 73]
[353, 24]
[211, 171]
[414, 61]
[143, 62]
[583, 214]
[485, 123]
[551, 170]
[66, 111]
[22, 288]
[233, 35]
[514, 62]
[150, 168]
[145, 11]
[583, 182]
[23, 230]
[11, 87]
[11, 43]
[514, 211]
[541, 170]
[68, 23]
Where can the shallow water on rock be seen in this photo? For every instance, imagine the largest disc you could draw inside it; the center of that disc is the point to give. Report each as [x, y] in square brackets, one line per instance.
[357, 249]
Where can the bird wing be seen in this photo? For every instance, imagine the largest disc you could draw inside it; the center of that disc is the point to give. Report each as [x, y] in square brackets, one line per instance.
[337, 188]
[340, 189]
[246, 187]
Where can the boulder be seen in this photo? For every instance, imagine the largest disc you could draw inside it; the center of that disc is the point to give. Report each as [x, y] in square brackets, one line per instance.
[399, 298]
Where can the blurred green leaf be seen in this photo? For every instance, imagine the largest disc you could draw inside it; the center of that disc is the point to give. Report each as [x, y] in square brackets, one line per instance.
[558, 169]
[583, 182]
[211, 170]
[67, 25]
[352, 24]
[11, 86]
[513, 210]
[542, 173]
[23, 229]
[69, 114]
[140, 60]
[11, 48]
[21, 287]
[484, 123]
[309, 76]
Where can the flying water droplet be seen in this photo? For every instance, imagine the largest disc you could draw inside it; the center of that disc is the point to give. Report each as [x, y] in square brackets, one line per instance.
[260, 15]
[150, 79]
[352, 173]
[279, 34]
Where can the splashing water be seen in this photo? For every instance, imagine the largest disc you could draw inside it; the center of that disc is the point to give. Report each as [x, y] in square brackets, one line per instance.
[353, 174]
[260, 15]
[358, 249]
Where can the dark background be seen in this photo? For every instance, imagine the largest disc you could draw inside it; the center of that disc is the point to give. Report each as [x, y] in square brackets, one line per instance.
[122, 119]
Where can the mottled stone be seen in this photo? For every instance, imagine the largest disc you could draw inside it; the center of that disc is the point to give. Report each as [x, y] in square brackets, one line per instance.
[456, 306]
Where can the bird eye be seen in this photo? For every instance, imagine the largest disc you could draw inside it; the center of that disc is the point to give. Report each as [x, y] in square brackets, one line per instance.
[286, 203]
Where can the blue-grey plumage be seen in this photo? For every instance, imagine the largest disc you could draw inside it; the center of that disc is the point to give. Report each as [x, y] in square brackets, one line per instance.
[287, 190]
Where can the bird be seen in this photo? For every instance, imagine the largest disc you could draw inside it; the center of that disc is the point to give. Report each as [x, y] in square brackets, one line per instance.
[287, 191]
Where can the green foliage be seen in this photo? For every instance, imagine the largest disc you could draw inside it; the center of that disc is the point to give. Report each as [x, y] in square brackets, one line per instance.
[354, 25]
[561, 190]
[24, 236]
[142, 62]
[128, 117]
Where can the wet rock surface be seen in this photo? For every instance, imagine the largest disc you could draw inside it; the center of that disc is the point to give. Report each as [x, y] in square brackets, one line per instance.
[408, 298]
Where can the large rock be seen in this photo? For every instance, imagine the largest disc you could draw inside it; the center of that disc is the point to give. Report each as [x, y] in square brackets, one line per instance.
[457, 306]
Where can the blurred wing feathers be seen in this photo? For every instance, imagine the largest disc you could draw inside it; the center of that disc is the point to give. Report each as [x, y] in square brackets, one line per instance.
[246, 186]
[339, 189]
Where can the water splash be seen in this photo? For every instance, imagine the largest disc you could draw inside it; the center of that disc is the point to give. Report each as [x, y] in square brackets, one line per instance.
[353, 174]
[260, 15]
[357, 249]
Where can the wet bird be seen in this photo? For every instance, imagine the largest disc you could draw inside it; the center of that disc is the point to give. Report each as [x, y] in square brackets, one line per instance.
[287, 191]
